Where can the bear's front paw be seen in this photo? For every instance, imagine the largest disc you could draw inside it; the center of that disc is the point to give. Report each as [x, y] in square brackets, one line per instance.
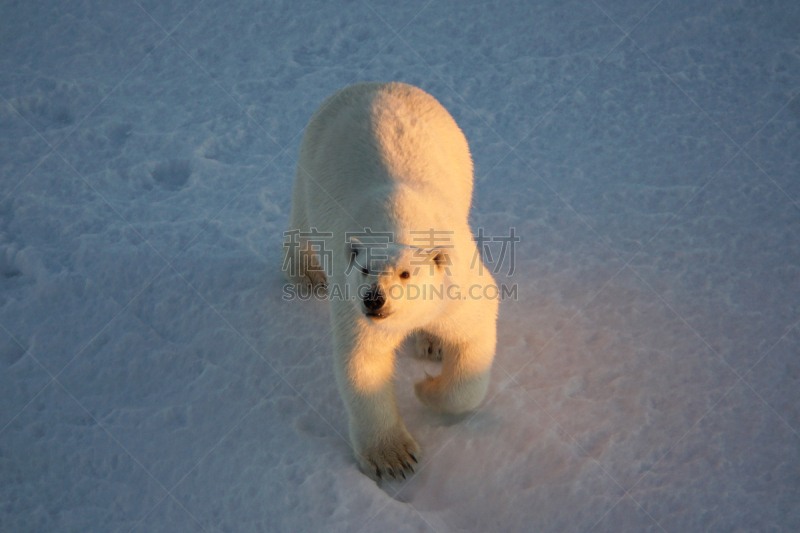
[392, 457]
[428, 347]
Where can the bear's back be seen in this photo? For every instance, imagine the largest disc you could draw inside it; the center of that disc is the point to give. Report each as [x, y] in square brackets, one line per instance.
[390, 133]
[392, 157]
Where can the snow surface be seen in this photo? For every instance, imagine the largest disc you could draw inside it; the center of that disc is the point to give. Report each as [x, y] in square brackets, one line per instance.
[647, 378]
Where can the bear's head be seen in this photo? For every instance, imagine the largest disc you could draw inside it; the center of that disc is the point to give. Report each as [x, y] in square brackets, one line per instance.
[398, 287]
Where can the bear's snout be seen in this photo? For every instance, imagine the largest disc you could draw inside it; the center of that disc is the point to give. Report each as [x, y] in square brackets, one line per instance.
[374, 299]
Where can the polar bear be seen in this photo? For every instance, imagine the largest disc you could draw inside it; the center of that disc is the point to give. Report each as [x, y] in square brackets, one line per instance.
[387, 159]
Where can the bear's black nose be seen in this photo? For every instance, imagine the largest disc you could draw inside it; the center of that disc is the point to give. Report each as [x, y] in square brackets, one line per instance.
[374, 298]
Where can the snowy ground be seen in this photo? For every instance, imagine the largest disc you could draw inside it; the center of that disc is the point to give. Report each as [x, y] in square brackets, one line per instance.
[647, 379]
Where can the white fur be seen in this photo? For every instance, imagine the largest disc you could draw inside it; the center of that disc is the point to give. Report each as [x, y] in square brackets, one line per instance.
[389, 157]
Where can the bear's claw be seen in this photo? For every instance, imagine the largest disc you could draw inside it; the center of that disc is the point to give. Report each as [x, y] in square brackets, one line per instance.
[428, 347]
[391, 458]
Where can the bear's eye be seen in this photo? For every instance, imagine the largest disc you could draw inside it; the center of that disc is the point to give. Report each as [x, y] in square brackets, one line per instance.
[364, 271]
[405, 275]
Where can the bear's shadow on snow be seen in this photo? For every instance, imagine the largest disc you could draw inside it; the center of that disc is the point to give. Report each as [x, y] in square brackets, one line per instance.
[476, 419]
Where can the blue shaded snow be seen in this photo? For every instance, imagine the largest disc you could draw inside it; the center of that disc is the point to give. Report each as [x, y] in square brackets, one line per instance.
[647, 378]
